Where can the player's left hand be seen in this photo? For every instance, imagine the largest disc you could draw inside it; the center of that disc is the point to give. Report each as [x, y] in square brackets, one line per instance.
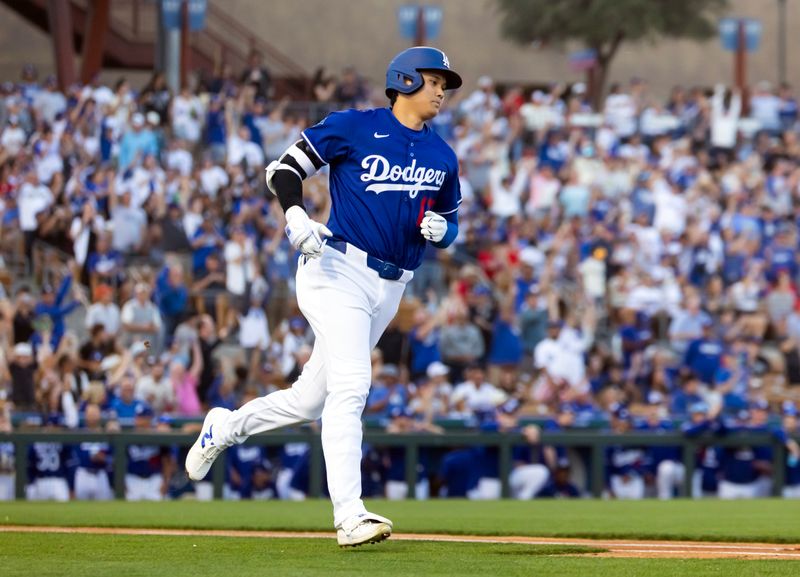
[433, 226]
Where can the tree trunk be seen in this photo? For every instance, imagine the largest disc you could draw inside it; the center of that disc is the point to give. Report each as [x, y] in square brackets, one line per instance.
[599, 74]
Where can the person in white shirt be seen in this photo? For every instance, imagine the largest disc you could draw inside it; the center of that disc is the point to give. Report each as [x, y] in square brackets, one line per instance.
[179, 158]
[242, 149]
[104, 311]
[212, 177]
[13, 137]
[81, 228]
[476, 394]
[725, 119]
[620, 112]
[141, 319]
[187, 115]
[240, 261]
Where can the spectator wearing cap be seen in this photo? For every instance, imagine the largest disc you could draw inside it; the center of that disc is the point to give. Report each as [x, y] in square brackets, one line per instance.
[53, 305]
[125, 405]
[704, 355]
[432, 396]
[141, 319]
[136, 143]
[461, 343]
[104, 311]
[386, 393]
[13, 136]
[20, 370]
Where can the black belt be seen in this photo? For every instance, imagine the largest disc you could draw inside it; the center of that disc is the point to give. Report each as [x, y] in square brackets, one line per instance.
[384, 269]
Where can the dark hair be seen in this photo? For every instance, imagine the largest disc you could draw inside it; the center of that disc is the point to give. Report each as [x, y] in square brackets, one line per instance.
[392, 94]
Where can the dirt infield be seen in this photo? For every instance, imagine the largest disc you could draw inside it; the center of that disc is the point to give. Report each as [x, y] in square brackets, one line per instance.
[616, 548]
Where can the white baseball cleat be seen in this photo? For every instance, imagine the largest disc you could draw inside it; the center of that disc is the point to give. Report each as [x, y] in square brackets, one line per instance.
[363, 528]
[205, 449]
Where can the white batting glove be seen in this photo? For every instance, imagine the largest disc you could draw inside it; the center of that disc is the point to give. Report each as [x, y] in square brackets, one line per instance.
[306, 235]
[433, 226]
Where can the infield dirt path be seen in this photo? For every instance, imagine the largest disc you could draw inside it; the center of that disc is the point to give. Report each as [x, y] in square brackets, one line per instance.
[616, 548]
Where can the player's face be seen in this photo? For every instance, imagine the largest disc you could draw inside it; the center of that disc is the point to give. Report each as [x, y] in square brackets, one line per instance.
[427, 101]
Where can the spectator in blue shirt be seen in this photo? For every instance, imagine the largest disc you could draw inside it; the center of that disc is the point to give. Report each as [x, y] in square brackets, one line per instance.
[53, 306]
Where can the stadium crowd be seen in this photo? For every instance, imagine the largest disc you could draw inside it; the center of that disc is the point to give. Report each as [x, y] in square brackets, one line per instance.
[631, 267]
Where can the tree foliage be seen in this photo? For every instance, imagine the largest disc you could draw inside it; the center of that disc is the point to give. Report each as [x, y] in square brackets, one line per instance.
[605, 24]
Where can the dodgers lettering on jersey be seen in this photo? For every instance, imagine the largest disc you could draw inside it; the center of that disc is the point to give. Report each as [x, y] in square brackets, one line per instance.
[144, 461]
[383, 178]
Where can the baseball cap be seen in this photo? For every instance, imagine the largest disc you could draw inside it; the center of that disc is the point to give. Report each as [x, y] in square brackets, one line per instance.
[296, 323]
[23, 350]
[655, 398]
[759, 405]
[143, 410]
[138, 348]
[699, 407]
[563, 463]
[389, 370]
[137, 119]
[398, 411]
[622, 413]
[789, 409]
[510, 406]
[437, 369]
[153, 117]
[485, 81]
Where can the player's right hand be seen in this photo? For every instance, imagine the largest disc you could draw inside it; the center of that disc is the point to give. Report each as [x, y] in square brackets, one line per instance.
[306, 235]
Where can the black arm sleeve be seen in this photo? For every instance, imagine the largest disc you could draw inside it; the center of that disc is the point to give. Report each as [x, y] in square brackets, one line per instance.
[289, 189]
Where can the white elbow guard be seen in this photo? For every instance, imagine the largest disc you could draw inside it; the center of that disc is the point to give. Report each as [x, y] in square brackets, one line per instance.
[271, 169]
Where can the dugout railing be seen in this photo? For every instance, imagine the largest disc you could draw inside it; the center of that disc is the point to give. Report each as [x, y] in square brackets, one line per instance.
[593, 442]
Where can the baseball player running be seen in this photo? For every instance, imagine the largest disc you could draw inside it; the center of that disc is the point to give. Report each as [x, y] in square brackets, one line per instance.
[394, 188]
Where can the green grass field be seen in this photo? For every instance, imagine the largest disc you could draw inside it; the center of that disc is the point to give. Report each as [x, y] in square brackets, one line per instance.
[156, 556]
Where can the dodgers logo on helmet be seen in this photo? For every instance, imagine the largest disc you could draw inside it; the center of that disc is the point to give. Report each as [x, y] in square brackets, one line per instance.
[414, 178]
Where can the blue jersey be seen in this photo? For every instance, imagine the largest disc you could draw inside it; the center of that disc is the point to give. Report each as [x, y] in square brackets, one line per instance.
[383, 178]
[47, 460]
[625, 461]
[94, 456]
[244, 460]
[144, 461]
[458, 472]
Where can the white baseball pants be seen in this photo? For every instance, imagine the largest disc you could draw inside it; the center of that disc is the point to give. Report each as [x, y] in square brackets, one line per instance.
[143, 488]
[348, 306]
[48, 489]
[728, 490]
[92, 485]
[398, 490]
[631, 487]
[7, 487]
[526, 481]
[669, 476]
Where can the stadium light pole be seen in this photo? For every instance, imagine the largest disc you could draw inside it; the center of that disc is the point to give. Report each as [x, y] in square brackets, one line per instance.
[781, 41]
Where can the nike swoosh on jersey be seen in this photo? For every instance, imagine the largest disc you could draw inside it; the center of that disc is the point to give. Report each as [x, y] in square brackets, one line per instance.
[376, 135]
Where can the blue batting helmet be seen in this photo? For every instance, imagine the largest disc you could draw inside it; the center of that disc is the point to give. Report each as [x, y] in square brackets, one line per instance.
[410, 62]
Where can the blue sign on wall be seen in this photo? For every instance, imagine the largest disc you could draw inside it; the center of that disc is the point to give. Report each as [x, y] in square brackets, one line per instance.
[729, 33]
[408, 19]
[171, 13]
